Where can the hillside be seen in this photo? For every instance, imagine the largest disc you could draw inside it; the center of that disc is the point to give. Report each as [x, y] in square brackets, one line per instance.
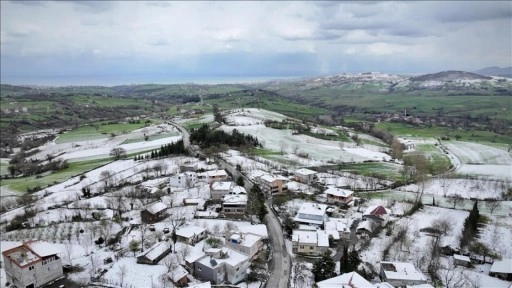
[495, 71]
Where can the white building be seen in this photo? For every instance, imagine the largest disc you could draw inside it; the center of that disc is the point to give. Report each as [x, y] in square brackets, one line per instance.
[312, 214]
[183, 180]
[190, 234]
[219, 189]
[310, 242]
[352, 280]
[222, 265]
[401, 274]
[234, 204]
[246, 243]
[304, 175]
[32, 264]
[340, 225]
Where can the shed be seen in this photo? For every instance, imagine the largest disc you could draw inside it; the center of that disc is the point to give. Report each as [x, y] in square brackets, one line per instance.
[154, 254]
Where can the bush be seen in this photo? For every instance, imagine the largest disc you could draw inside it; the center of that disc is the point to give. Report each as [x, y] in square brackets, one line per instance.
[99, 241]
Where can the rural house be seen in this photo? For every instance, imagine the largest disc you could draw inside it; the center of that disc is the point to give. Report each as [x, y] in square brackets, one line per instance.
[219, 189]
[234, 204]
[377, 213]
[190, 234]
[154, 254]
[153, 213]
[311, 214]
[309, 242]
[222, 265]
[338, 196]
[304, 175]
[502, 269]
[179, 276]
[188, 166]
[32, 264]
[183, 180]
[352, 280]
[401, 274]
[246, 243]
[271, 185]
[212, 176]
[461, 260]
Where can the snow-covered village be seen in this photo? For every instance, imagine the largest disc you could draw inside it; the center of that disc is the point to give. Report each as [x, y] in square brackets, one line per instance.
[189, 214]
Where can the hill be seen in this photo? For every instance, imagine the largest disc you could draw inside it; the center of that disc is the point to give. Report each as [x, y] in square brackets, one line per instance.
[450, 76]
[496, 71]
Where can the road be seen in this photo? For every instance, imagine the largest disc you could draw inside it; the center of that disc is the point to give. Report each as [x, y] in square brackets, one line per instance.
[280, 264]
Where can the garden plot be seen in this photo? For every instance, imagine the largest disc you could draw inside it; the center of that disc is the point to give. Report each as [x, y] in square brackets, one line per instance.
[314, 148]
[465, 188]
[100, 148]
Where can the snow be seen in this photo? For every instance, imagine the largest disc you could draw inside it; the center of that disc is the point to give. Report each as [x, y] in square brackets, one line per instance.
[502, 266]
[44, 249]
[338, 192]
[137, 275]
[155, 251]
[352, 279]
[189, 231]
[304, 172]
[403, 270]
[259, 229]
[368, 153]
[234, 199]
[157, 207]
[461, 258]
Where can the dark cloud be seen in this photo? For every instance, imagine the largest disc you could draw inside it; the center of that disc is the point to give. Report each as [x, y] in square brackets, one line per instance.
[29, 3]
[469, 11]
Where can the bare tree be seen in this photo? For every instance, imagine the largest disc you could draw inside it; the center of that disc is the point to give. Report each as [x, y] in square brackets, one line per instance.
[493, 205]
[456, 199]
[117, 203]
[144, 228]
[95, 261]
[443, 225]
[122, 274]
[106, 177]
[446, 181]
[118, 153]
[157, 167]
[170, 262]
[69, 250]
[176, 219]
[453, 276]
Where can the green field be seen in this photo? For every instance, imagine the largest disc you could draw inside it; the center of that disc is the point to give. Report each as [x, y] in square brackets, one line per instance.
[152, 137]
[74, 169]
[97, 131]
[384, 170]
[4, 164]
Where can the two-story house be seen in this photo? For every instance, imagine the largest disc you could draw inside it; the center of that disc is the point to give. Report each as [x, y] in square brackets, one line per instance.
[309, 242]
[219, 189]
[304, 175]
[183, 180]
[222, 265]
[401, 274]
[338, 196]
[311, 214]
[212, 176]
[234, 204]
[246, 243]
[32, 264]
[154, 213]
[272, 184]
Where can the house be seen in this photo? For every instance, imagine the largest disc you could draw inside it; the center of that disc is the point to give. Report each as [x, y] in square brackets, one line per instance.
[200, 203]
[304, 175]
[342, 226]
[377, 213]
[338, 196]
[184, 180]
[212, 176]
[502, 269]
[311, 214]
[461, 260]
[309, 242]
[222, 265]
[154, 254]
[352, 280]
[271, 184]
[153, 213]
[32, 264]
[234, 204]
[246, 243]
[179, 276]
[190, 234]
[219, 189]
[401, 274]
[188, 166]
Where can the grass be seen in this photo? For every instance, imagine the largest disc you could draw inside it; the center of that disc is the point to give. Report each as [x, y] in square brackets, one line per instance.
[4, 164]
[150, 138]
[97, 131]
[263, 152]
[402, 129]
[384, 170]
[74, 169]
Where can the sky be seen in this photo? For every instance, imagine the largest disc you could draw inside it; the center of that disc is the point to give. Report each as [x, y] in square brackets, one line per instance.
[58, 42]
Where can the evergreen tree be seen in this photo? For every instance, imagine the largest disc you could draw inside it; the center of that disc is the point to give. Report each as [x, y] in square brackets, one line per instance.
[289, 224]
[344, 261]
[323, 268]
[240, 181]
[354, 259]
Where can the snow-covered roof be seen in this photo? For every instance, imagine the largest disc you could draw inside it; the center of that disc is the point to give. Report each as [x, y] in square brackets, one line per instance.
[319, 238]
[402, 270]
[178, 273]
[338, 224]
[323, 239]
[338, 192]
[376, 210]
[461, 258]
[189, 231]
[43, 249]
[351, 279]
[234, 199]
[157, 207]
[366, 225]
[312, 209]
[233, 258]
[268, 178]
[502, 266]
[207, 214]
[239, 190]
[259, 229]
[155, 251]
[201, 285]
[222, 185]
[247, 239]
[214, 173]
[332, 233]
[304, 172]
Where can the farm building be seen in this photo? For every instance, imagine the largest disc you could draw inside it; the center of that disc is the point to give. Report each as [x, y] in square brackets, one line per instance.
[502, 269]
[154, 213]
[154, 254]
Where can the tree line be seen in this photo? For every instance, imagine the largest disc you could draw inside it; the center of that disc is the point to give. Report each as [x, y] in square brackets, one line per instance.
[207, 137]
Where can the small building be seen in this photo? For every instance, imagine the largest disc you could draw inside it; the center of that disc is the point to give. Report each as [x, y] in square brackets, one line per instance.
[352, 280]
[377, 213]
[219, 189]
[461, 260]
[304, 175]
[212, 176]
[183, 180]
[338, 196]
[179, 276]
[502, 269]
[401, 274]
[309, 242]
[154, 213]
[154, 254]
[246, 243]
[189, 166]
[200, 203]
[190, 234]
[311, 214]
[32, 264]
[234, 204]
[342, 226]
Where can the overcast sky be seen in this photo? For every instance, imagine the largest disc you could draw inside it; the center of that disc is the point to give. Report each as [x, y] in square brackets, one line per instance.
[41, 40]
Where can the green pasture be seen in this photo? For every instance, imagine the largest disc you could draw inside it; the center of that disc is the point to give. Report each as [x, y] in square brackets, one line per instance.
[97, 131]
[384, 170]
